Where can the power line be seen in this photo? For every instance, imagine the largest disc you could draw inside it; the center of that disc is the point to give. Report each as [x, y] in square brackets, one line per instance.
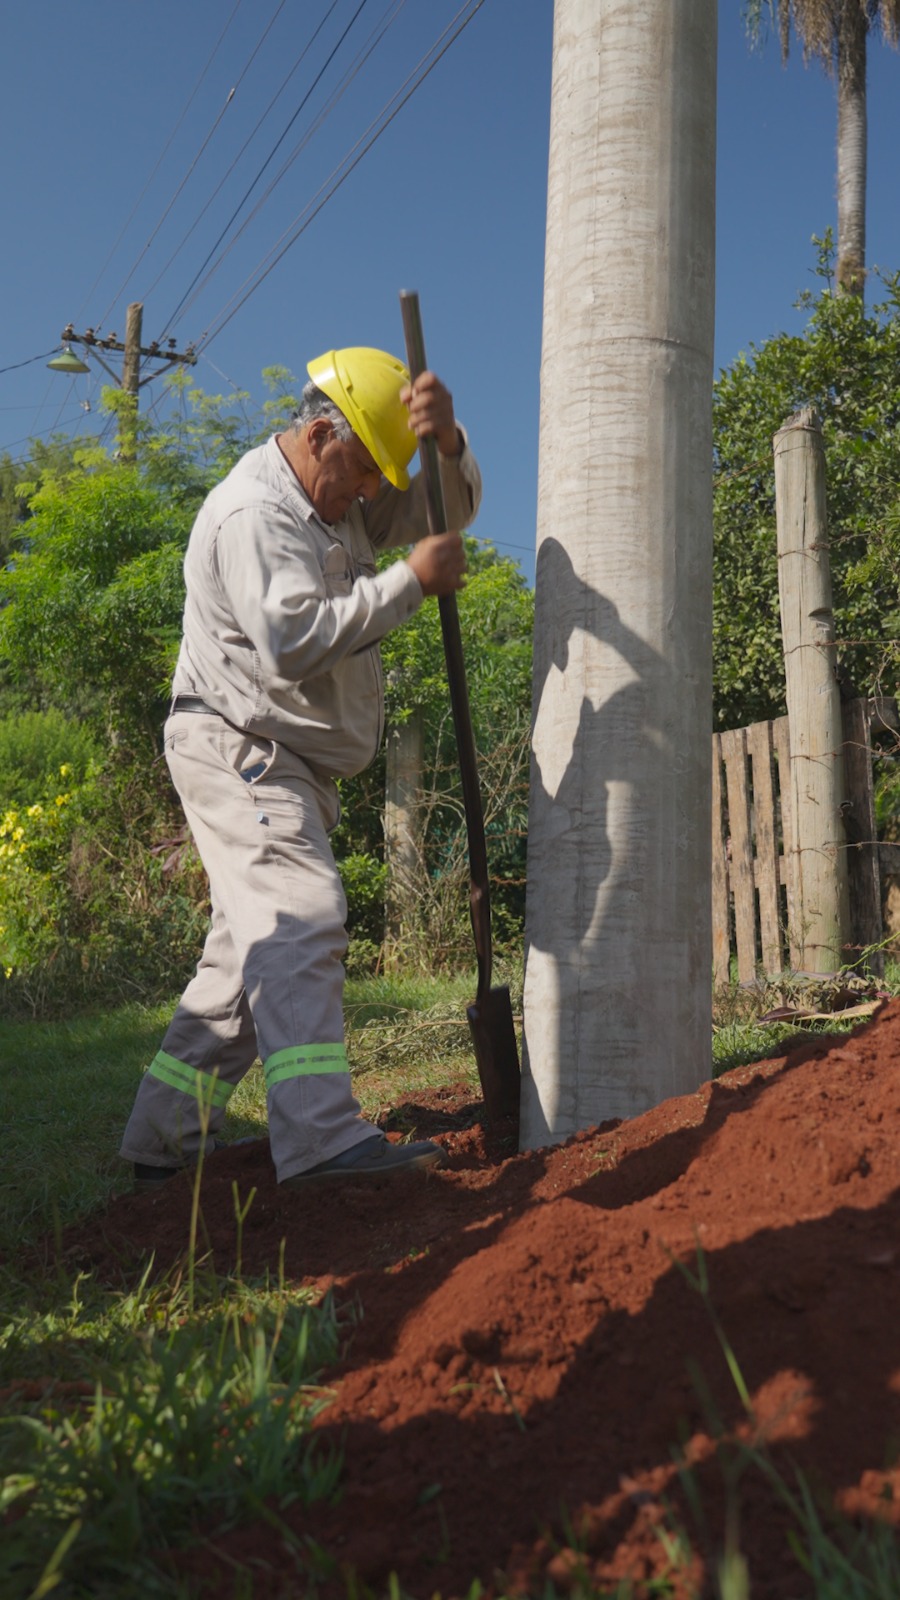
[247, 142]
[40, 410]
[248, 192]
[385, 22]
[218, 325]
[505, 544]
[146, 246]
[188, 103]
[219, 373]
[28, 438]
[228, 100]
[31, 359]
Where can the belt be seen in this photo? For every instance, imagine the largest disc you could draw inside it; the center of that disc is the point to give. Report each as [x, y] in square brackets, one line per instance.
[192, 702]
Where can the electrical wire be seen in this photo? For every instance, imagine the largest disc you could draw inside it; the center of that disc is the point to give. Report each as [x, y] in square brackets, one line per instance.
[228, 101]
[28, 437]
[146, 246]
[31, 359]
[126, 225]
[385, 22]
[221, 321]
[153, 408]
[219, 373]
[247, 142]
[248, 192]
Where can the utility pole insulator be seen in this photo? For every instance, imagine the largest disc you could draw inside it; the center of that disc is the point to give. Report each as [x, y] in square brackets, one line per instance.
[187, 357]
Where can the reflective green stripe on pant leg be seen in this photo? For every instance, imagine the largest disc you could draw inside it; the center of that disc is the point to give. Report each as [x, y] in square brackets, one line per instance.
[178, 1075]
[302, 1060]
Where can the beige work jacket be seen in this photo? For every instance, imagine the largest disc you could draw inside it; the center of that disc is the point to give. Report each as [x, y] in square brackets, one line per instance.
[284, 613]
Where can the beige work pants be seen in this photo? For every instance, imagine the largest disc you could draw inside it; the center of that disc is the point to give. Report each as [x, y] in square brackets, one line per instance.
[270, 980]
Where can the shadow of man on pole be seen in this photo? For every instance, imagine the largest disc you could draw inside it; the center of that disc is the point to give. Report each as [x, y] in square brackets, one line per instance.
[592, 940]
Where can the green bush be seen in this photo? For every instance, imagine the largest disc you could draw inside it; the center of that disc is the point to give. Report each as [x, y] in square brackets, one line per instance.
[364, 878]
[101, 896]
[36, 748]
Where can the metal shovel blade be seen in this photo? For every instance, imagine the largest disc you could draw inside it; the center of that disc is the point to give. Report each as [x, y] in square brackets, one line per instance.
[496, 1052]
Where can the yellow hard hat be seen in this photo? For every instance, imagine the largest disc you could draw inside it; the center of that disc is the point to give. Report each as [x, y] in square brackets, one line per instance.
[365, 385]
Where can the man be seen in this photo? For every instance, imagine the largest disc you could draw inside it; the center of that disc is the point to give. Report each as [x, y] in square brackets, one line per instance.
[277, 693]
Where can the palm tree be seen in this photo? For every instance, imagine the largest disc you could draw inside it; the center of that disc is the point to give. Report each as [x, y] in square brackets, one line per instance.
[837, 32]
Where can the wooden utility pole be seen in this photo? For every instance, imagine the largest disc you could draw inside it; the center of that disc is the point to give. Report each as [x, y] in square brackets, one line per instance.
[131, 367]
[131, 362]
[819, 870]
[130, 380]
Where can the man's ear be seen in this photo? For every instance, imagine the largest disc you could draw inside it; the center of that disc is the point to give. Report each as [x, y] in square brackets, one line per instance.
[317, 435]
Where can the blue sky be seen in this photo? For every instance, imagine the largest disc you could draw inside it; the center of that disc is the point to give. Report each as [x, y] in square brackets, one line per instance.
[117, 129]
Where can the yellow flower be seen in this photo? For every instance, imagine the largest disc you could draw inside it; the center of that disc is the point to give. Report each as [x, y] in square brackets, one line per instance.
[17, 834]
[35, 811]
[65, 770]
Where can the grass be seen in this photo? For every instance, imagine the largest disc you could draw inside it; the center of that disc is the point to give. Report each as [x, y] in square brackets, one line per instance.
[739, 1037]
[180, 1411]
[67, 1087]
[131, 1417]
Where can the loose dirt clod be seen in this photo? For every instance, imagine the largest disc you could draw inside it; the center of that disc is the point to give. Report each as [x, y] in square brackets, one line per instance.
[533, 1346]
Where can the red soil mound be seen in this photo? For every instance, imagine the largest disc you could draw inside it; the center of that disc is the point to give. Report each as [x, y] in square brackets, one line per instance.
[531, 1347]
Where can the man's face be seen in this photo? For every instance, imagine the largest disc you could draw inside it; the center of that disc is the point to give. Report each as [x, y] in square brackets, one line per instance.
[341, 471]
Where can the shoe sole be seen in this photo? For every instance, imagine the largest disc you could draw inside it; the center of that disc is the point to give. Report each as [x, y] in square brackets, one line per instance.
[338, 1174]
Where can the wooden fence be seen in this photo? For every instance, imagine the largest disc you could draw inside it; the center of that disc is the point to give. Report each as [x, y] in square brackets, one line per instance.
[753, 892]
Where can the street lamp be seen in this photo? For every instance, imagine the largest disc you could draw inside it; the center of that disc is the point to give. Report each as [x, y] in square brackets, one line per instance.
[68, 361]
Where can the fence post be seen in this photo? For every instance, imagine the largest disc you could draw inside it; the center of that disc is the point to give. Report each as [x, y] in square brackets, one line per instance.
[821, 902]
[863, 871]
[402, 830]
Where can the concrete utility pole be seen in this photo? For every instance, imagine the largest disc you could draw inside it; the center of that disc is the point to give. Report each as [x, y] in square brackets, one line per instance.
[129, 381]
[618, 929]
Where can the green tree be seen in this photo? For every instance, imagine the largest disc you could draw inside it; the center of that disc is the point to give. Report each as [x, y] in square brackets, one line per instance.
[847, 364]
[836, 32]
[13, 506]
[56, 457]
[204, 435]
[90, 606]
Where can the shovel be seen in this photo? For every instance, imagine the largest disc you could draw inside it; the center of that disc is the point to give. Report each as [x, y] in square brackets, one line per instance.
[490, 1017]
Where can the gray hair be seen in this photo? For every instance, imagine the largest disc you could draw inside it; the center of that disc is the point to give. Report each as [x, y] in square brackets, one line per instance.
[314, 403]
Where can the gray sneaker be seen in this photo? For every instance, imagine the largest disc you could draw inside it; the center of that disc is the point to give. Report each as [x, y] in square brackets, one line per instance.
[372, 1158]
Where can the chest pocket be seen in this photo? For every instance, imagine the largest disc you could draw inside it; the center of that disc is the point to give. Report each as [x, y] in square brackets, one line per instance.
[336, 570]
